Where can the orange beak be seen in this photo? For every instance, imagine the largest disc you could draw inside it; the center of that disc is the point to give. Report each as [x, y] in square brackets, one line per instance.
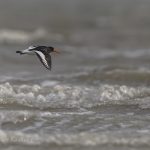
[56, 50]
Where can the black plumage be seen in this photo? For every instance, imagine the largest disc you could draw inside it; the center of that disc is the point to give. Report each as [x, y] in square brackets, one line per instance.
[42, 52]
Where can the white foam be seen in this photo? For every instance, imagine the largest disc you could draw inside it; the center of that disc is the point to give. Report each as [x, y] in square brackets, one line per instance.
[10, 36]
[82, 139]
[69, 96]
[18, 36]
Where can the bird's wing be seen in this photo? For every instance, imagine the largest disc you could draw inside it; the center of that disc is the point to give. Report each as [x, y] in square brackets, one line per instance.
[45, 59]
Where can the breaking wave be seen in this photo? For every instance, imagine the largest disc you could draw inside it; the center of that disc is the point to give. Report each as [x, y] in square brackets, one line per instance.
[56, 95]
[8, 36]
[82, 139]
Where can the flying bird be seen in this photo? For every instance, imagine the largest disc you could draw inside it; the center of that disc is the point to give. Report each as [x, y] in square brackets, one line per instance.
[42, 52]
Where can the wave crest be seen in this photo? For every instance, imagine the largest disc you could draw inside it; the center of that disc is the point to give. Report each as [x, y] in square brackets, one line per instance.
[66, 96]
[83, 139]
[8, 36]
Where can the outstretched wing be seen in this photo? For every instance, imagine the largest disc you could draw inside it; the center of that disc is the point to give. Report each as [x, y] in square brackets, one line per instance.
[45, 59]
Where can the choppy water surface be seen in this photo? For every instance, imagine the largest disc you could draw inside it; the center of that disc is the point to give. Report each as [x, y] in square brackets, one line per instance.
[98, 92]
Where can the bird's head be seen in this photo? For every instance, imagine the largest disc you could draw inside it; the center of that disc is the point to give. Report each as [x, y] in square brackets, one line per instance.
[52, 49]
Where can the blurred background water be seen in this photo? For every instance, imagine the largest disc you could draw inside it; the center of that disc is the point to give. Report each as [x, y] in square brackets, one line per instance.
[97, 95]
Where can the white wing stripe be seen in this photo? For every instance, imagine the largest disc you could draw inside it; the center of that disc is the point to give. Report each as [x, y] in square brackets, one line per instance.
[26, 51]
[31, 47]
[42, 56]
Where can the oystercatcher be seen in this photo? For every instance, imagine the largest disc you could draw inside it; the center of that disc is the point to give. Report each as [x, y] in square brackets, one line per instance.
[42, 52]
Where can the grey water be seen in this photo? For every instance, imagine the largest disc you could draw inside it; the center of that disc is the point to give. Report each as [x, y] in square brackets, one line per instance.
[97, 95]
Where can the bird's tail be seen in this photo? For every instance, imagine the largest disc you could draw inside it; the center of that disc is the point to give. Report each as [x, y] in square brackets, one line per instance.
[20, 52]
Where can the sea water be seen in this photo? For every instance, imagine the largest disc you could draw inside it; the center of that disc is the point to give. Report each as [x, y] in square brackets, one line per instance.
[97, 95]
